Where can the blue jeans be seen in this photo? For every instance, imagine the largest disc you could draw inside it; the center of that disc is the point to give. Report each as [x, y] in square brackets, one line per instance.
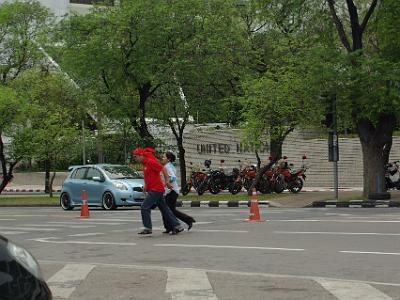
[158, 199]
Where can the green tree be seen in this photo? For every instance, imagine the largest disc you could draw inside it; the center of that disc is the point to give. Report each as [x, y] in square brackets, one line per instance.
[51, 130]
[370, 82]
[22, 25]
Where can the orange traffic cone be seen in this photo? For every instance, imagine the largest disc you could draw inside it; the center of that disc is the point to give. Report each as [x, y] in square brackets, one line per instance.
[254, 210]
[84, 208]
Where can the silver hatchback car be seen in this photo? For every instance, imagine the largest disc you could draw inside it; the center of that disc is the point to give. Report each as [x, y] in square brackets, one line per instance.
[108, 186]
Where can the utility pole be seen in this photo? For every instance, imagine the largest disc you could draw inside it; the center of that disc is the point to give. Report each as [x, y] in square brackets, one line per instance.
[333, 143]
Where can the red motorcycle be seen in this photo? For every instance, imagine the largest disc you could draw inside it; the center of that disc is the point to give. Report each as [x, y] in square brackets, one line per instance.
[195, 180]
[291, 180]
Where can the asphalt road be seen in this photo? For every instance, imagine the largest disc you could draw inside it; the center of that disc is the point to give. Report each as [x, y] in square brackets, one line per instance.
[330, 253]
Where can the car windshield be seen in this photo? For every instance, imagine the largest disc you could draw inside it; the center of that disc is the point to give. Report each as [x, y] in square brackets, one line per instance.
[121, 172]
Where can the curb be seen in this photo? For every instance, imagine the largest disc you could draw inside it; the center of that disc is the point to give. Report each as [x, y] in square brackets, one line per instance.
[218, 203]
[357, 203]
[28, 191]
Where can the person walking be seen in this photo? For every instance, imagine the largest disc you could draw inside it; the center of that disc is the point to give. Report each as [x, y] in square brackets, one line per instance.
[172, 193]
[154, 188]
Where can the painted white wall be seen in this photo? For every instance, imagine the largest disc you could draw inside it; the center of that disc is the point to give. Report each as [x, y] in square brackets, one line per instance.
[58, 7]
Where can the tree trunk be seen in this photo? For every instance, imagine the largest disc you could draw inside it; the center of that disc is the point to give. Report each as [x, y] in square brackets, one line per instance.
[142, 129]
[47, 176]
[374, 141]
[51, 184]
[182, 162]
[7, 175]
[275, 154]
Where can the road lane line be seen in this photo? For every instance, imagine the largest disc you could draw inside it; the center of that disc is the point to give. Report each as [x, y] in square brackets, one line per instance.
[339, 221]
[189, 285]
[53, 241]
[21, 228]
[367, 252]
[220, 230]
[352, 291]
[87, 234]
[60, 225]
[12, 232]
[338, 233]
[8, 219]
[85, 222]
[64, 282]
[227, 247]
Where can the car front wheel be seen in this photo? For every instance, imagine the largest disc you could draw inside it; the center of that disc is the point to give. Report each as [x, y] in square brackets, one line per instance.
[65, 202]
[108, 201]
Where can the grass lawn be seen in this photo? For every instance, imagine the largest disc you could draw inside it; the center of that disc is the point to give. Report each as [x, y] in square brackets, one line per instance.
[28, 200]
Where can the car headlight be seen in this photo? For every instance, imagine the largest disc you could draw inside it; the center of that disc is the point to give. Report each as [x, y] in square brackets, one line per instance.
[26, 259]
[119, 185]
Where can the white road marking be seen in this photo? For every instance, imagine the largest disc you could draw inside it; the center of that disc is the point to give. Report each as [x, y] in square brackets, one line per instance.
[203, 223]
[53, 241]
[60, 225]
[87, 234]
[366, 252]
[112, 220]
[217, 230]
[21, 228]
[265, 275]
[227, 247]
[8, 219]
[338, 221]
[352, 291]
[189, 285]
[338, 233]
[64, 282]
[12, 232]
[86, 222]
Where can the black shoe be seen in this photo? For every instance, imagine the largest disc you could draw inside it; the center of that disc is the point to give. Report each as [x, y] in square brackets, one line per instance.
[177, 229]
[167, 231]
[145, 231]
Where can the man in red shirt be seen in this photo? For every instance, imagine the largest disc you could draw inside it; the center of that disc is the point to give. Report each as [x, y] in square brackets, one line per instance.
[154, 188]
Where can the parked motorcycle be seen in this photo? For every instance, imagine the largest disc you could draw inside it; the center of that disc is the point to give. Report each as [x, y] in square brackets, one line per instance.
[289, 179]
[195, 180]
[392, 175]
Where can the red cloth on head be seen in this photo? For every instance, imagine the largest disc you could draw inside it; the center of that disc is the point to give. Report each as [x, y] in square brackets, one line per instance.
[137, 151]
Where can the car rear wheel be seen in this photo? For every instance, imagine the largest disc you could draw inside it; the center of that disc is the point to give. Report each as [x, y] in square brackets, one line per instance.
[65, 202]
[108, 201]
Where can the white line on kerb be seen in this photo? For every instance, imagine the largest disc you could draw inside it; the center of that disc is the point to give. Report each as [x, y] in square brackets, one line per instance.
[64, 282]
[366, 252]
[189, 285]
[226, 247]
[352, 291]
[338, 233]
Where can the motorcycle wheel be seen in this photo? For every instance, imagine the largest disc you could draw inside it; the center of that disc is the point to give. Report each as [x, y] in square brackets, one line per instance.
[235, 188]
[185, 190]
[264, 186]
[296, 186]
[202, 187]
[247, 183]
[213, 188]
[279, 186]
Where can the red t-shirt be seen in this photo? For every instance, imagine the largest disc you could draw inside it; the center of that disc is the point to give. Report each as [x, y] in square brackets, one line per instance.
[152, 178]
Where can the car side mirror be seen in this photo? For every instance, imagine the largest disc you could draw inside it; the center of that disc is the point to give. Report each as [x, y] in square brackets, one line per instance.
[97, 178]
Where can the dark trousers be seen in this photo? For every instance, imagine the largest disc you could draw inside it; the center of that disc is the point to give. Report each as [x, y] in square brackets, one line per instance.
[158, 199]
[171, 198]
